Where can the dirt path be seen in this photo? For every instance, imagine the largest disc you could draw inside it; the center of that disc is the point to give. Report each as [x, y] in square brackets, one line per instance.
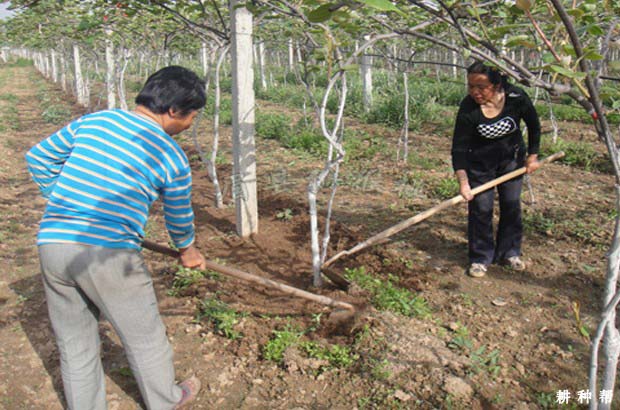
[470, 352]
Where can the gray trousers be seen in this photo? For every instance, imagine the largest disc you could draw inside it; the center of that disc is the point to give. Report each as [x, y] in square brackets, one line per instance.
[81, 281]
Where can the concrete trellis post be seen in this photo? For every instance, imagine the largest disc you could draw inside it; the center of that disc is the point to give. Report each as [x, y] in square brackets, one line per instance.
[244, 152]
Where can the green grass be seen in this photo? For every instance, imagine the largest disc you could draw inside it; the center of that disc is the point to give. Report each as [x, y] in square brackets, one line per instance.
[56, 114]
[445, 188]
[11, 98]
[223, 318]
[10, 119]
[387, 295]
[579, 154]
[281, 340]
[186, 277]
[336, 356]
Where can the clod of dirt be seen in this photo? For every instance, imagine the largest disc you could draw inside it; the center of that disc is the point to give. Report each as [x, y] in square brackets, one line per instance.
[458, 388]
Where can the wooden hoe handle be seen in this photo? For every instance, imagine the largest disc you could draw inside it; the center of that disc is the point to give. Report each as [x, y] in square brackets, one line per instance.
[248, 277]
[384, 235]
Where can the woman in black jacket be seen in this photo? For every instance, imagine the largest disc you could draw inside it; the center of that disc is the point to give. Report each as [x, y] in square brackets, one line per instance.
[487, 144]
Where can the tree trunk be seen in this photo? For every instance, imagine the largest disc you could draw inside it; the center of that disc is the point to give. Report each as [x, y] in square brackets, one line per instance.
[110, 70]
[80, 90]
[211, 167]
[122, 95]
[405, 131]
[261, 65]
[290, 55]
[366, 68]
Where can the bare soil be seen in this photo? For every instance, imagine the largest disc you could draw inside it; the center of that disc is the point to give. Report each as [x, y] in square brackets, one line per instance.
[472, 352]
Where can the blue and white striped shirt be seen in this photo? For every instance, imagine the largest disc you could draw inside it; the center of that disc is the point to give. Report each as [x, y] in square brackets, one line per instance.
[102, 172]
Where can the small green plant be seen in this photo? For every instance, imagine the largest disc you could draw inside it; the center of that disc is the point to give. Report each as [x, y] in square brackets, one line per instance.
[124, 371]
[546, 400]
[56, 114]
[461, 341]
[11, 98]
[360, 145]
[272, 125]
[10, 118]
[386, 295]
[481, 361]
[282, 339]
[380, 370]
[538, 222]
[285, 215]
[579, 154]
[221, 316]
[446, 188]
[338, 356]
[184, 278]
[416, 160]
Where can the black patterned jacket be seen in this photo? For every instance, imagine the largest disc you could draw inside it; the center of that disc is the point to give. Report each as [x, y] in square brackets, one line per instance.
[481, 142]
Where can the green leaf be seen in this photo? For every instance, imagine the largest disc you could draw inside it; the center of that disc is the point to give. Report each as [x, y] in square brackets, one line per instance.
[569, 49]
[508, 28]
[548, 58]
[320, 14]
[566, 72]
[383, 5]
[595, 30]
[351, 67]
[592, 55]
[524, 5]
[577, 13]
[520, 40]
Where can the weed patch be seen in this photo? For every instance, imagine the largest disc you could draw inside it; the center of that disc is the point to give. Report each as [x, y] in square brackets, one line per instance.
[223, 317]
[386, 295]
[579, 154]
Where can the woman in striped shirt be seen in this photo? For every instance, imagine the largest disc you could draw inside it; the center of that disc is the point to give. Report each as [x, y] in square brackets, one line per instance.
[100, 175]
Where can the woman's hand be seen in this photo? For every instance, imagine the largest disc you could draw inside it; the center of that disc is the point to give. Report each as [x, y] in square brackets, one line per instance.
[531, 163]
[191, 258]
[464, 188]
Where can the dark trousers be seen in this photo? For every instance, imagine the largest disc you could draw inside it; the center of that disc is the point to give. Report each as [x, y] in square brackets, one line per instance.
[480, 219]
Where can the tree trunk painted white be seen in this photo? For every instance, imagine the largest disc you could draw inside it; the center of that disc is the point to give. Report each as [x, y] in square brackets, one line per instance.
[291, 55]
[48, 65]
[455, 61]
[204, 59]
[404, 136]
[298, 50]
[211, 168]
[122, 95]
[79, 81]
[606, 329]
[366, 68]
[54, 66]
[243, 106]
[261, 65]
[110, 69]
[332, 164]
[63, 71]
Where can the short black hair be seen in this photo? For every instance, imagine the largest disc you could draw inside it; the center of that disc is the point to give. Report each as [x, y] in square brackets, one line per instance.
[494, 75]
[173, 87]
